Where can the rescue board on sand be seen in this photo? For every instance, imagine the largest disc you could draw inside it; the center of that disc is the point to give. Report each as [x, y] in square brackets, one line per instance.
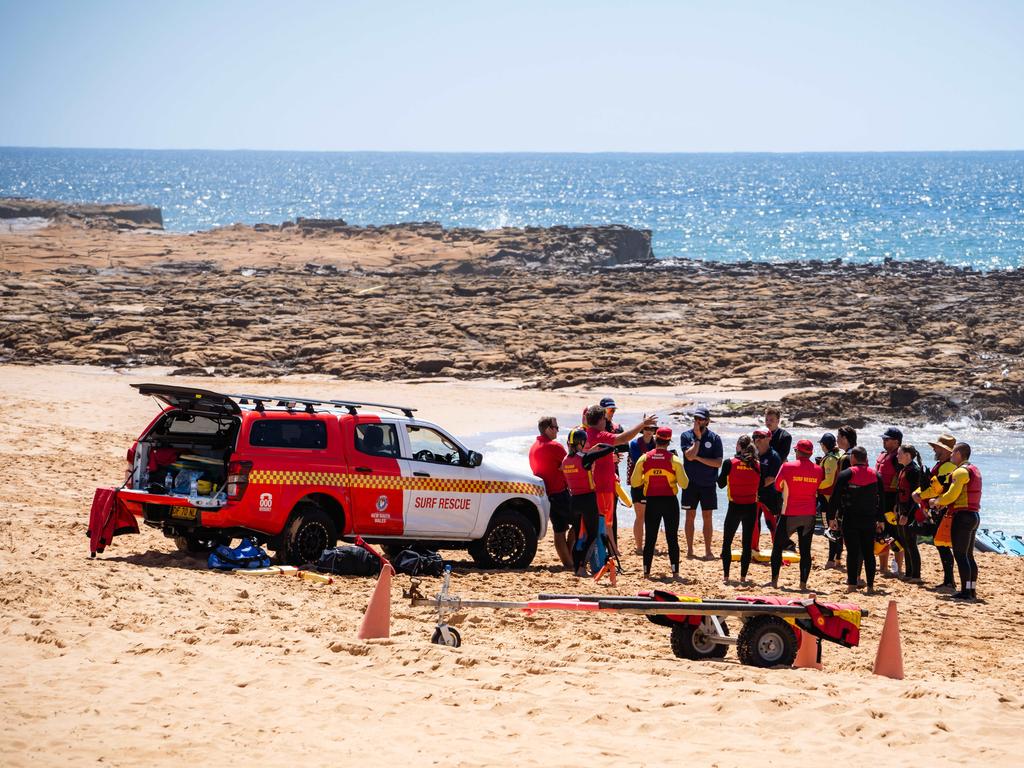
[765, 556]
[273, 570]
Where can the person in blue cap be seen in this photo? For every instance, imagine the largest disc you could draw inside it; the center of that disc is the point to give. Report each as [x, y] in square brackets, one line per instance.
[702, 457]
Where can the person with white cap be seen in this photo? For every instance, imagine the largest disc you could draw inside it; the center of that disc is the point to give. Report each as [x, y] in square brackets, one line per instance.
[702, 457]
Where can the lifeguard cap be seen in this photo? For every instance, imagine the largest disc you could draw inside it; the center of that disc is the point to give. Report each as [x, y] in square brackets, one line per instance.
[664, 433]
[577, 437]
[806, 447]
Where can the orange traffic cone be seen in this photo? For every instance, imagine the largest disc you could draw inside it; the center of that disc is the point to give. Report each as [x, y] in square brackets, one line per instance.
[808, 655]
[607, 568]
[889, 659]
[377, 619]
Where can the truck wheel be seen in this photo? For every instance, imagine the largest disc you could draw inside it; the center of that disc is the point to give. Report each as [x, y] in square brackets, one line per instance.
[766, 641]
[196, 544]
[694, 642]
[510, 542]
[309, 533]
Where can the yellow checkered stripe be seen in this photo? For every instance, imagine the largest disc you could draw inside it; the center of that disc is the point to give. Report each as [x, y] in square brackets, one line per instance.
[392, 482]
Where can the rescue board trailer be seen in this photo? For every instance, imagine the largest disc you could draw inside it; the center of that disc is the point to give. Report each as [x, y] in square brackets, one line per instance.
[771, 631]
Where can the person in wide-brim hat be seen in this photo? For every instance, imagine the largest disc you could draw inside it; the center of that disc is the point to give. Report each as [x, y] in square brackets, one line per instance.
[945, 442]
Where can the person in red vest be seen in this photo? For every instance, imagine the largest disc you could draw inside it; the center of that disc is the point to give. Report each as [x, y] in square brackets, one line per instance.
[798, 482]
[888, 467]
[661, 475]
[606, 476]
[857, 495]
[741, 477]
[546, 455]
[578, 469]
[963, 501]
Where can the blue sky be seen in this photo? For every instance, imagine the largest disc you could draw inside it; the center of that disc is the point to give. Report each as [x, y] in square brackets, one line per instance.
[639, 76]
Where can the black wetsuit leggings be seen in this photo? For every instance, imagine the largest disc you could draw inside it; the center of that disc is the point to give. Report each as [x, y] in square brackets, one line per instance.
[804, 536]
[907, 536]
[860, 548]
[947, 560]
[738, 514]
[661, 508]
[965, 526]
[584, 510]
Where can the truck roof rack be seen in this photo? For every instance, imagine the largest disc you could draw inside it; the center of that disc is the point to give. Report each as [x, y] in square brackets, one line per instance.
[352, 406]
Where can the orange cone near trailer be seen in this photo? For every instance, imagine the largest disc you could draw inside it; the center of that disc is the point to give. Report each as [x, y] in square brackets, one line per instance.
[377, 619]
[889, 659]
[807, 653]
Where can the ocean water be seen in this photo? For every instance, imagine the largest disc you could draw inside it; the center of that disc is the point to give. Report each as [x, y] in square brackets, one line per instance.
[998, 453]
[964, 208]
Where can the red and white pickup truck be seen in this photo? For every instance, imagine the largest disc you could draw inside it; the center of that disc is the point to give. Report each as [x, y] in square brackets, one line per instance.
[297, 474]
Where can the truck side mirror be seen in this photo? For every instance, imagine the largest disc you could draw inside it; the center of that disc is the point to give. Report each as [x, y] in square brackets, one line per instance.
[474, 458]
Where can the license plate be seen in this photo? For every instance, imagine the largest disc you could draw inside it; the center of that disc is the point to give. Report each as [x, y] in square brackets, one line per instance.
[184, 513]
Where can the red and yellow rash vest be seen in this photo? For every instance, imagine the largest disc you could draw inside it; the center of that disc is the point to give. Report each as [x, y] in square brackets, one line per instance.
[579, 479]
[940, 478]
[799, 480]
[660, 472]
[830, 462]
[964, 494]
[742, 482]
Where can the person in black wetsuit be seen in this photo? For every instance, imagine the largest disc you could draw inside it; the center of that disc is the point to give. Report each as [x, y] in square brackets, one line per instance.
[846, 439]
[858, 494]
[782, 441]
[741, 476]
[908, 481]
[771, 463]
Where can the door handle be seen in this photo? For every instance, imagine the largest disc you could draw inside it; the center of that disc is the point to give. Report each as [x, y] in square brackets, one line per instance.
[421, 474]
[363, 469]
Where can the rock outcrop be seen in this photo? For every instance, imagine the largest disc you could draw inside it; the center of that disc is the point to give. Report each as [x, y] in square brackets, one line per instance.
[112, 215]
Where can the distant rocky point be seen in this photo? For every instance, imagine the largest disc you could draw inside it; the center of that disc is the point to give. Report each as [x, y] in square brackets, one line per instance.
[103, 215]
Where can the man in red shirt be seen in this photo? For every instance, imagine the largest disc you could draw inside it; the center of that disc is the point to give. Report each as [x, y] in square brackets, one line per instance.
[546, 456]
[605, 469]
[798, 482]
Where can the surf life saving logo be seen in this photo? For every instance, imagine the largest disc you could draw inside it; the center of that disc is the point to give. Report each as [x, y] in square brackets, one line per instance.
[381, 516]
[266, 502]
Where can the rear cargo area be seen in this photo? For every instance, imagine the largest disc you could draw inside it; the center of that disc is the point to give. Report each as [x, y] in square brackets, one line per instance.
[185, 454]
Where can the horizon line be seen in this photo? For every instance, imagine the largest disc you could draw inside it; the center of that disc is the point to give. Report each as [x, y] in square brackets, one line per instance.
[527, 151]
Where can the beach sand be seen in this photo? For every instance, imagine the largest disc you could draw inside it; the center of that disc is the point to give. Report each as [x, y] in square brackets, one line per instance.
[145, 657]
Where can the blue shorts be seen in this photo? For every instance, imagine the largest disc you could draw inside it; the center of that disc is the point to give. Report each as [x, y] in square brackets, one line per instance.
[704, 495]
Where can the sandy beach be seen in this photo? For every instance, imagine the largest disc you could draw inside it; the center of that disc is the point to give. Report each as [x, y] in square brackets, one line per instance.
[145, 657]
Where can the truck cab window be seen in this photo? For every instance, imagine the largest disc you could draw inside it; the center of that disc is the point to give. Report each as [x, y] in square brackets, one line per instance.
[426, 444]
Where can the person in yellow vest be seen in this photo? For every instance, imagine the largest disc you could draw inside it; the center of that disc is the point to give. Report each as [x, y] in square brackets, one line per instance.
[832, 456]
[661, 475]
[936, 483]
[963, 501]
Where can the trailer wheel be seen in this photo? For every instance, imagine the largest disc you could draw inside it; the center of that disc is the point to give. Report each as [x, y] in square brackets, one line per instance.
[438, 639]
[695, 643]
[309, 533]
[766, 641]
[510, 542]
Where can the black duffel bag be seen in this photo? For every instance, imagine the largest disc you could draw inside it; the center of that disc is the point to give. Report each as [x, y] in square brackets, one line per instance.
[418, 563]
[348, 560]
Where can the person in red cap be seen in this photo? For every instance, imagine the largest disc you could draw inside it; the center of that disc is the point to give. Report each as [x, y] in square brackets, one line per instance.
[660, 474]
[798, 482]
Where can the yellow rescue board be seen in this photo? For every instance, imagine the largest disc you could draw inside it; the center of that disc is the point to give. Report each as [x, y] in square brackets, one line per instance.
[273, 570]
[765, 556]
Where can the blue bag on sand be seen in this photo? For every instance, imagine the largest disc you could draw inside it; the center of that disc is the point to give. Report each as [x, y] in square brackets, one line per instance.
[246, 555]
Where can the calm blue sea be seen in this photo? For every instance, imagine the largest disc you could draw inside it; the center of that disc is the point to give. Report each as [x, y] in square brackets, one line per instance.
[963, 208]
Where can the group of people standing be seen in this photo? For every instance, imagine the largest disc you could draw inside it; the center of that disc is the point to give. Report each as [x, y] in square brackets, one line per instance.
[871, 512]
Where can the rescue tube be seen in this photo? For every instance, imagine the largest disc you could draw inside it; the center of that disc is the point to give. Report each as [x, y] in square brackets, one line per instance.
[765, 556]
